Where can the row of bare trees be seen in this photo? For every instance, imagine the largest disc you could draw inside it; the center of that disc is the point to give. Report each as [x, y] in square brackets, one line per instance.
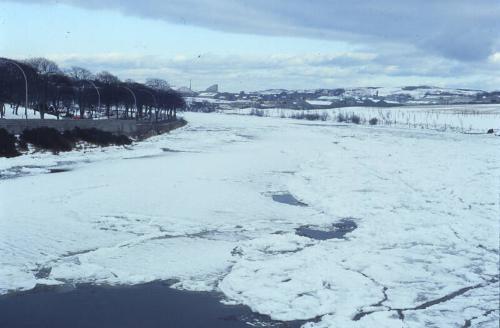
[78, 93]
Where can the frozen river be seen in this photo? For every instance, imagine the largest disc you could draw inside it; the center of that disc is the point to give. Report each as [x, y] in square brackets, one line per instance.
[234, 204]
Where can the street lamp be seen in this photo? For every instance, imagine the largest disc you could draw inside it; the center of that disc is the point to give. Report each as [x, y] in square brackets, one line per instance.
[98, 93]
[133, 95]
[25, 82]
[154, 99]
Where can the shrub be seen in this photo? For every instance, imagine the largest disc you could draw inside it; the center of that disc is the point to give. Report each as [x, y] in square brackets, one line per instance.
[7, 144]
[355, 119]
[257, 112]
[373, 121]
[97, 137]
[351, 118]
[51, 139]
[47, 138]
[22, 145]
[310, 116]
[305, 116]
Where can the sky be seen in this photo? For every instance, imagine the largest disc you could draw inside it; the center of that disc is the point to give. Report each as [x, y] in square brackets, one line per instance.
[263, 44]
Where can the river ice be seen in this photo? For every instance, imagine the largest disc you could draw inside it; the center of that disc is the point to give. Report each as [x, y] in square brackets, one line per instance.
[197, 206]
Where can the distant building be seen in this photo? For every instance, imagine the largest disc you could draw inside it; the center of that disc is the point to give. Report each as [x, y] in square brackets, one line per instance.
[213, 88]
[185, 91]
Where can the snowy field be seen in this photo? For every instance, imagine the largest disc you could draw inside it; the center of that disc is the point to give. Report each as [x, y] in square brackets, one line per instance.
[197, 206]
[458, 118]
[21, 113]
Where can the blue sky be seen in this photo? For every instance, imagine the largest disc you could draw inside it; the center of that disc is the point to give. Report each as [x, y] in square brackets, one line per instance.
[250, 45]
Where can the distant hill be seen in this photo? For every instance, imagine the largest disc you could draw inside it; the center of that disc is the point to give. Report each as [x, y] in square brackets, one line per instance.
[344, 97]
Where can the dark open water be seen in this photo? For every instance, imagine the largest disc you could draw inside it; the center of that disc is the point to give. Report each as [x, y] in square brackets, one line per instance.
[140, 306]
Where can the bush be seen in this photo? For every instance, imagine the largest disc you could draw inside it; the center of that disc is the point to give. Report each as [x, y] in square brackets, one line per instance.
[97, 137]
[22, 145]
[7, 144]
[257, 112]
[355, 119]
[351, 118]
[373, 121]
[47, 138]
[310, 116]
[51, 139]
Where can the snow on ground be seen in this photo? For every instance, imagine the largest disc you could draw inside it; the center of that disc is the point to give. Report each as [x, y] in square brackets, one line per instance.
[21, 113]
[459, 118]
[319, 102]
[196, 206]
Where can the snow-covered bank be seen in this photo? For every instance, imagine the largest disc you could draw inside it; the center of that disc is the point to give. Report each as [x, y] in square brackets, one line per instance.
[458, 118]
[196, 205]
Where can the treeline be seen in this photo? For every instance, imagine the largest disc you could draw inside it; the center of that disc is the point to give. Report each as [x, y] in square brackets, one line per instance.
[78, 93]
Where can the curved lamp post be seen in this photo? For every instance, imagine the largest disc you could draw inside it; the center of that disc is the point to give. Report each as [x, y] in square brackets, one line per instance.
[133, 95]
[25, 83]
[154, 99]
[96, 89]
[98, 94]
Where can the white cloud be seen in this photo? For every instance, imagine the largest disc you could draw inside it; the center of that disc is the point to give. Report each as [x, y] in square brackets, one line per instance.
[495, 58]
[384, 42]
[459, 29]
[308, 70]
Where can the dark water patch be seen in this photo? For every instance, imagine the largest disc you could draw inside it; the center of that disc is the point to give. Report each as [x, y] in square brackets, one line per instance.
[148, 305]
[334, 231]
[28, 170]
[21, 171]
[80, 252]
[146, 156]
[169, 150]
[288, 172]
[162, 154]
[59, 170]
[285, 172]
[245, 136]
[447, 297]
[287, 198]
[364, 190]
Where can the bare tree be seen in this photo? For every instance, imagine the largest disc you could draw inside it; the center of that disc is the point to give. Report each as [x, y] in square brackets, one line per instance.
[157, 84]
[79, 73]
[45, 69]
[43, 66]
[107, 78]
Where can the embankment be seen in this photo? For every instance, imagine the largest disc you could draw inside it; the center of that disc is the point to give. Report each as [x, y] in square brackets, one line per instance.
[130, 128]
